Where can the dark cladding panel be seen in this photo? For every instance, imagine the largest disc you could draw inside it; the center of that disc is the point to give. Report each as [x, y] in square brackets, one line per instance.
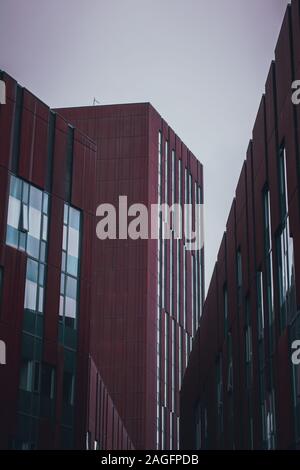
[259, 176]
[232, 265]
[60, 158]
[7, 113]
[40, 147]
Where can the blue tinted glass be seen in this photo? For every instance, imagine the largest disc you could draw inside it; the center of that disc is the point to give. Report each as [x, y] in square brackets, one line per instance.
[12, 236]
[32, 270]
[62, 284]
[42, 275]
[25, 197]
[71, 290]
[43, 252]
[45, 203]
[36, 198]
[66, 214]
[63, 261]
[22, 241]
[72, 265]
[74, 216]
[16, 187]
[33, 246]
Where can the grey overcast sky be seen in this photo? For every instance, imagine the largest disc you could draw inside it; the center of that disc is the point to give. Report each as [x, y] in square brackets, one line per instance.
[202, 63]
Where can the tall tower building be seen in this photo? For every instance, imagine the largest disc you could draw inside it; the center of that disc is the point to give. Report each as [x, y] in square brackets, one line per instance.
[148, 293]
[51, 392]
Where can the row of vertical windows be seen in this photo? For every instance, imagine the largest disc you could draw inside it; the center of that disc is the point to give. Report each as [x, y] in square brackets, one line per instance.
[27, 230]
[70, 267]
[172, 255]
[27, 220]
[159, 292]
[284, 251]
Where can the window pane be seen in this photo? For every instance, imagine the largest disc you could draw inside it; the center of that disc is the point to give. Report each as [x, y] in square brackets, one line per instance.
[34, 223]
[45, 203]
[72, 265]
[33, 247]
[45, 228]
[71, 288]
[32, 270]
[64, 245]
[74, 218]
[41, 300]
[42, 275]
[70, 308]
[66, 214]
[73, 242]
[43, 252]
[14, 210]
[30, 295]
[12, 236]
[15, 187]
[25, 195]
[36, 198]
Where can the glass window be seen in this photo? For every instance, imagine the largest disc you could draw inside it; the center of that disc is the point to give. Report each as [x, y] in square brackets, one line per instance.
[178, 278]
[286, 272]
[269, 267]
[283, 182]
[69, 268]
[36, 198]
[239, 276]
[48, 381]
[26, 375]
[260, 304]
[30, 295]
[225, 309]
[166, 357]
[166, 171]
[171, 274]
[14, 210]
[30, 376]
[24, 218]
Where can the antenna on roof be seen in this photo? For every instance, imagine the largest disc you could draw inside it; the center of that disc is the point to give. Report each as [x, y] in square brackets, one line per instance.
[95, 101]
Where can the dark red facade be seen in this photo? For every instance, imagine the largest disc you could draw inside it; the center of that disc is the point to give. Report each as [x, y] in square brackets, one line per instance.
[241, 389]
[139, 361]
[42, 150]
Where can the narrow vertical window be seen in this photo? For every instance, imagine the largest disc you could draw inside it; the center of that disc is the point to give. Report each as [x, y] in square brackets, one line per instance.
[225, 310]
[239, 276]
[69, 290]
[260, 305]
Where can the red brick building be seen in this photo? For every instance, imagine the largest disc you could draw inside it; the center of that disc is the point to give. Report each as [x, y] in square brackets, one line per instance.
[149, 293]
[47, 239]
[241, 390]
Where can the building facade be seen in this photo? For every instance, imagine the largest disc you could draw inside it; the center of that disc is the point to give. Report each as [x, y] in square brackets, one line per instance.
[241, 389]
[149, 292]
[47, 239]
